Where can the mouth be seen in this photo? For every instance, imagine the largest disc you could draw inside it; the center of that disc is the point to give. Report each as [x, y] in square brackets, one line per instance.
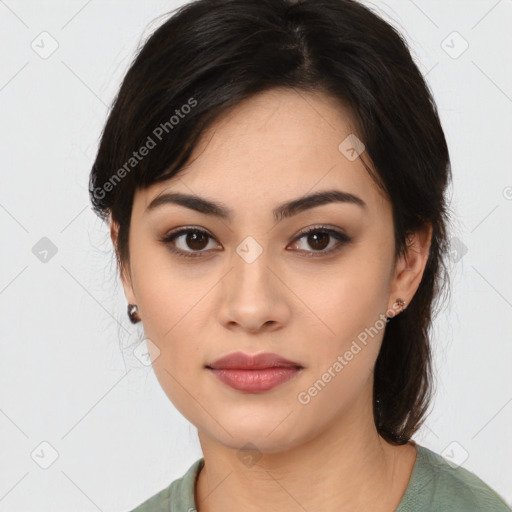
[254, 373]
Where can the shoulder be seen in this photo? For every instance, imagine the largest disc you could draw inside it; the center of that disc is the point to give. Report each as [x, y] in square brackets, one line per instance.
[438, 485]
[178, 496]
[160, 502]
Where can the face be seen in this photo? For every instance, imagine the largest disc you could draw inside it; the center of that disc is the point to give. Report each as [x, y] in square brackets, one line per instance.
[251, 281]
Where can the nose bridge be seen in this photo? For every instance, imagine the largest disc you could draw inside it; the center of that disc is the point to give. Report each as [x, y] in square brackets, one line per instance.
[250, 296]
[250, 263]
[249, 293]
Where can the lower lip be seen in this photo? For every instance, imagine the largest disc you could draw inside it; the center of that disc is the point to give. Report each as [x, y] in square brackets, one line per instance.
[254, 381]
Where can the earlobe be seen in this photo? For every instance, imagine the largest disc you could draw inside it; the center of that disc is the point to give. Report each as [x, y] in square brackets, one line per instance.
[411, 266]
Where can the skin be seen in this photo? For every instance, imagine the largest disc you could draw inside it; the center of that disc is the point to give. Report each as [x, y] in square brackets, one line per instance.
[324, 455]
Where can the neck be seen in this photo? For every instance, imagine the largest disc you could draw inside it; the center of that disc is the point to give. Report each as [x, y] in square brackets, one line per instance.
[347, 466]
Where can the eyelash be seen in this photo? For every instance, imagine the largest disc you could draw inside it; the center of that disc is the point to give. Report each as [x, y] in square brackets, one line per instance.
[340, 237]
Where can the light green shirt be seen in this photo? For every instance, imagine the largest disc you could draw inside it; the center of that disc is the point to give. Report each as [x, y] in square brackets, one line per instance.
[434, 486]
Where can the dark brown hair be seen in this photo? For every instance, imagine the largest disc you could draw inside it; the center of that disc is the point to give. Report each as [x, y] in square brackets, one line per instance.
[212, 54]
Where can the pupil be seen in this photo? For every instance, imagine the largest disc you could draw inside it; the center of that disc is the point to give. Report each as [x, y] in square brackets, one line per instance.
[315, 236]
[192, 240]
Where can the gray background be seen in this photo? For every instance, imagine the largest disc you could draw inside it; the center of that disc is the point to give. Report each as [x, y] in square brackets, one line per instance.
[110, 436]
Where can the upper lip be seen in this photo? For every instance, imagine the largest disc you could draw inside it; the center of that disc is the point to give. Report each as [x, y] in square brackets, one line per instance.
[239, 360]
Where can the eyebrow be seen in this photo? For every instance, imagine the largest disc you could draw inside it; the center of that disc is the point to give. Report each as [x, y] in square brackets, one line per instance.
[286, 210]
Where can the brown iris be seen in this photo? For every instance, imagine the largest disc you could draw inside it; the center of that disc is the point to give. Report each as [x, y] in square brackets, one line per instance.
[196, 241]
[316, 240]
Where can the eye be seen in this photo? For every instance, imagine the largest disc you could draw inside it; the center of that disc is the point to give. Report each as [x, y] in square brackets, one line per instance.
[192, 238]
[194, 241]
[320, 237]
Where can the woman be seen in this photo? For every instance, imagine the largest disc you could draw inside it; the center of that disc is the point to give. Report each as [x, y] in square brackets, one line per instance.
[273, 173]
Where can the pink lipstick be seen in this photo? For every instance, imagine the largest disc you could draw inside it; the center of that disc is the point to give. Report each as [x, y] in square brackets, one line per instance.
[253, 373]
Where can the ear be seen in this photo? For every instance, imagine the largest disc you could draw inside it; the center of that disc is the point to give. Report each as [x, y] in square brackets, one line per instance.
[410, 267]
[124, 272]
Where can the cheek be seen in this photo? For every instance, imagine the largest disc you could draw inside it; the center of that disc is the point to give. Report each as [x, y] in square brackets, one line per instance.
[350, 306]
[169, 293]
[345, 302]
[180, 342]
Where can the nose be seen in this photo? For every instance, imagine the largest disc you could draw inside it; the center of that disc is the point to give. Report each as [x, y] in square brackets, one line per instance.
[253, 296]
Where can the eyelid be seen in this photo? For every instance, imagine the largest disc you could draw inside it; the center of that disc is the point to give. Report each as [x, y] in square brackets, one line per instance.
[334, 232]
[321, 227]
[173, 234]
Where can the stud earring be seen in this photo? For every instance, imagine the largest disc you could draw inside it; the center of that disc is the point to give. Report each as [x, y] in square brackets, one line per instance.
[133, 313]
[400, 303]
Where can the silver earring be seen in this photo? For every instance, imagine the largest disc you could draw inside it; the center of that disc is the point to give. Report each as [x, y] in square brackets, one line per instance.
[401, 303]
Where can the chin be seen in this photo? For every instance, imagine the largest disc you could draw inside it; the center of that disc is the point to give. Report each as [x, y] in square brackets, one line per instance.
[257, 432]
[255, 444]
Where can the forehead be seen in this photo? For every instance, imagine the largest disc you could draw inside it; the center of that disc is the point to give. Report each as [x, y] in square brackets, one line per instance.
[276, 145]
